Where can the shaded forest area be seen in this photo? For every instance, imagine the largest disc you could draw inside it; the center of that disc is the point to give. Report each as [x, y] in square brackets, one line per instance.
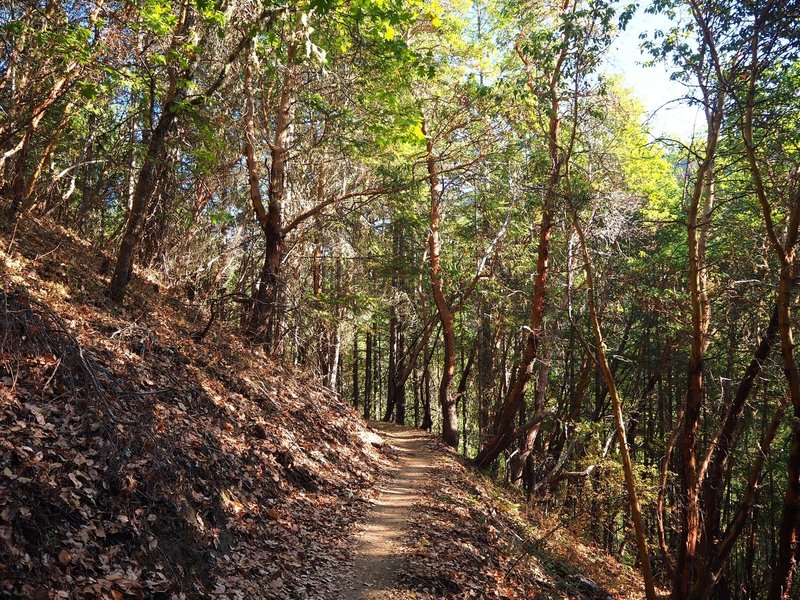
[450, 216]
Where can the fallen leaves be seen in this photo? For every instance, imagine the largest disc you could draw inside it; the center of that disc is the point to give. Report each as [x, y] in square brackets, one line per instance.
[228, 476]
[465, 542]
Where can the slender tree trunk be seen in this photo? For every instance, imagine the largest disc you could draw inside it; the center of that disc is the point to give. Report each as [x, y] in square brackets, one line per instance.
[461, 390]
[87, 190]
[427, 419]
[355, 369]
[415, 383]
[334, 361]
[377, 363]
[391, 388]
[398, 381]
[485, 374]
[368, 377]
[446, 401]
[627, 463]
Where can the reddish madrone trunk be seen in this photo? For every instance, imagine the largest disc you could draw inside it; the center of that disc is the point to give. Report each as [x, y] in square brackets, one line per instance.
[446, 401]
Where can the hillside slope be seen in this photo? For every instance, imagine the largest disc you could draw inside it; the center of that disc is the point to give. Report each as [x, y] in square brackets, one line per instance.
[138, 462]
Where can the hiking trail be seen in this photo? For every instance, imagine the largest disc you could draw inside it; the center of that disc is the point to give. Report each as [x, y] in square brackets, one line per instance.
[378, 544]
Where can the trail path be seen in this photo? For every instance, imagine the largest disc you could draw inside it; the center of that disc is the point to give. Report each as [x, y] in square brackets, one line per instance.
[378, 545]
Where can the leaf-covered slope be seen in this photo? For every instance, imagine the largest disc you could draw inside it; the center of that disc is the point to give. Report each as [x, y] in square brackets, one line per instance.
[472, 539]
[137, 462]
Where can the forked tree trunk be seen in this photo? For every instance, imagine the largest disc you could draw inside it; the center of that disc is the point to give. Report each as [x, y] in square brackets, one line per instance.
[518, 463]
[687, 568]
[261, 323]
[504, 431]
[505, 434]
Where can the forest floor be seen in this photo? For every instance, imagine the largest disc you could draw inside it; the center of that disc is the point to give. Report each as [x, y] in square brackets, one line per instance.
[138, 460]
[440, 529]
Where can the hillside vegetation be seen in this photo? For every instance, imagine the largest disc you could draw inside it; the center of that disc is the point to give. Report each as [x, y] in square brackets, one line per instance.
[233, 227]
[139, 462]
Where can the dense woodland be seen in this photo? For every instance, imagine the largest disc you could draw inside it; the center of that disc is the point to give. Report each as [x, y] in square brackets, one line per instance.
[453, 217]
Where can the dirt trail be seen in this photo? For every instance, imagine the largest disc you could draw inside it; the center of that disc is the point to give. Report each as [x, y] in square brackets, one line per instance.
[378, 546]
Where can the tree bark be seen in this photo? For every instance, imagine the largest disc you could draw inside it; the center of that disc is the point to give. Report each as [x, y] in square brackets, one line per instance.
[261, 323]
[447, 403]
[627, 463]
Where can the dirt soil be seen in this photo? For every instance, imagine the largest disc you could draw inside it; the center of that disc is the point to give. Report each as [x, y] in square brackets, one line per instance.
[378, 546]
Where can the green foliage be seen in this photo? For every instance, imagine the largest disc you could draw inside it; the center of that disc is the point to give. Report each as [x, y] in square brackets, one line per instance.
[158, 17]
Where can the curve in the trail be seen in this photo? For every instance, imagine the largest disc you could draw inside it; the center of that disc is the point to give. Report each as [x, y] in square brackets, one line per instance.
[378, 545]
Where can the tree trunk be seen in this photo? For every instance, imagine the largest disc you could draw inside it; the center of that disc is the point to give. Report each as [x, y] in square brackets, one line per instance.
[698, 223]
[427, 419]
[145, 186]
[261, 324]
[788, 534]
[368, 378]
[398, 381]
[461, 390]
[391, 387]
[87, 190]
[627, 463]
[517, 466]
[485, 374]
[446, 401]
[355, 369]
[504, 434]
[789, 530]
